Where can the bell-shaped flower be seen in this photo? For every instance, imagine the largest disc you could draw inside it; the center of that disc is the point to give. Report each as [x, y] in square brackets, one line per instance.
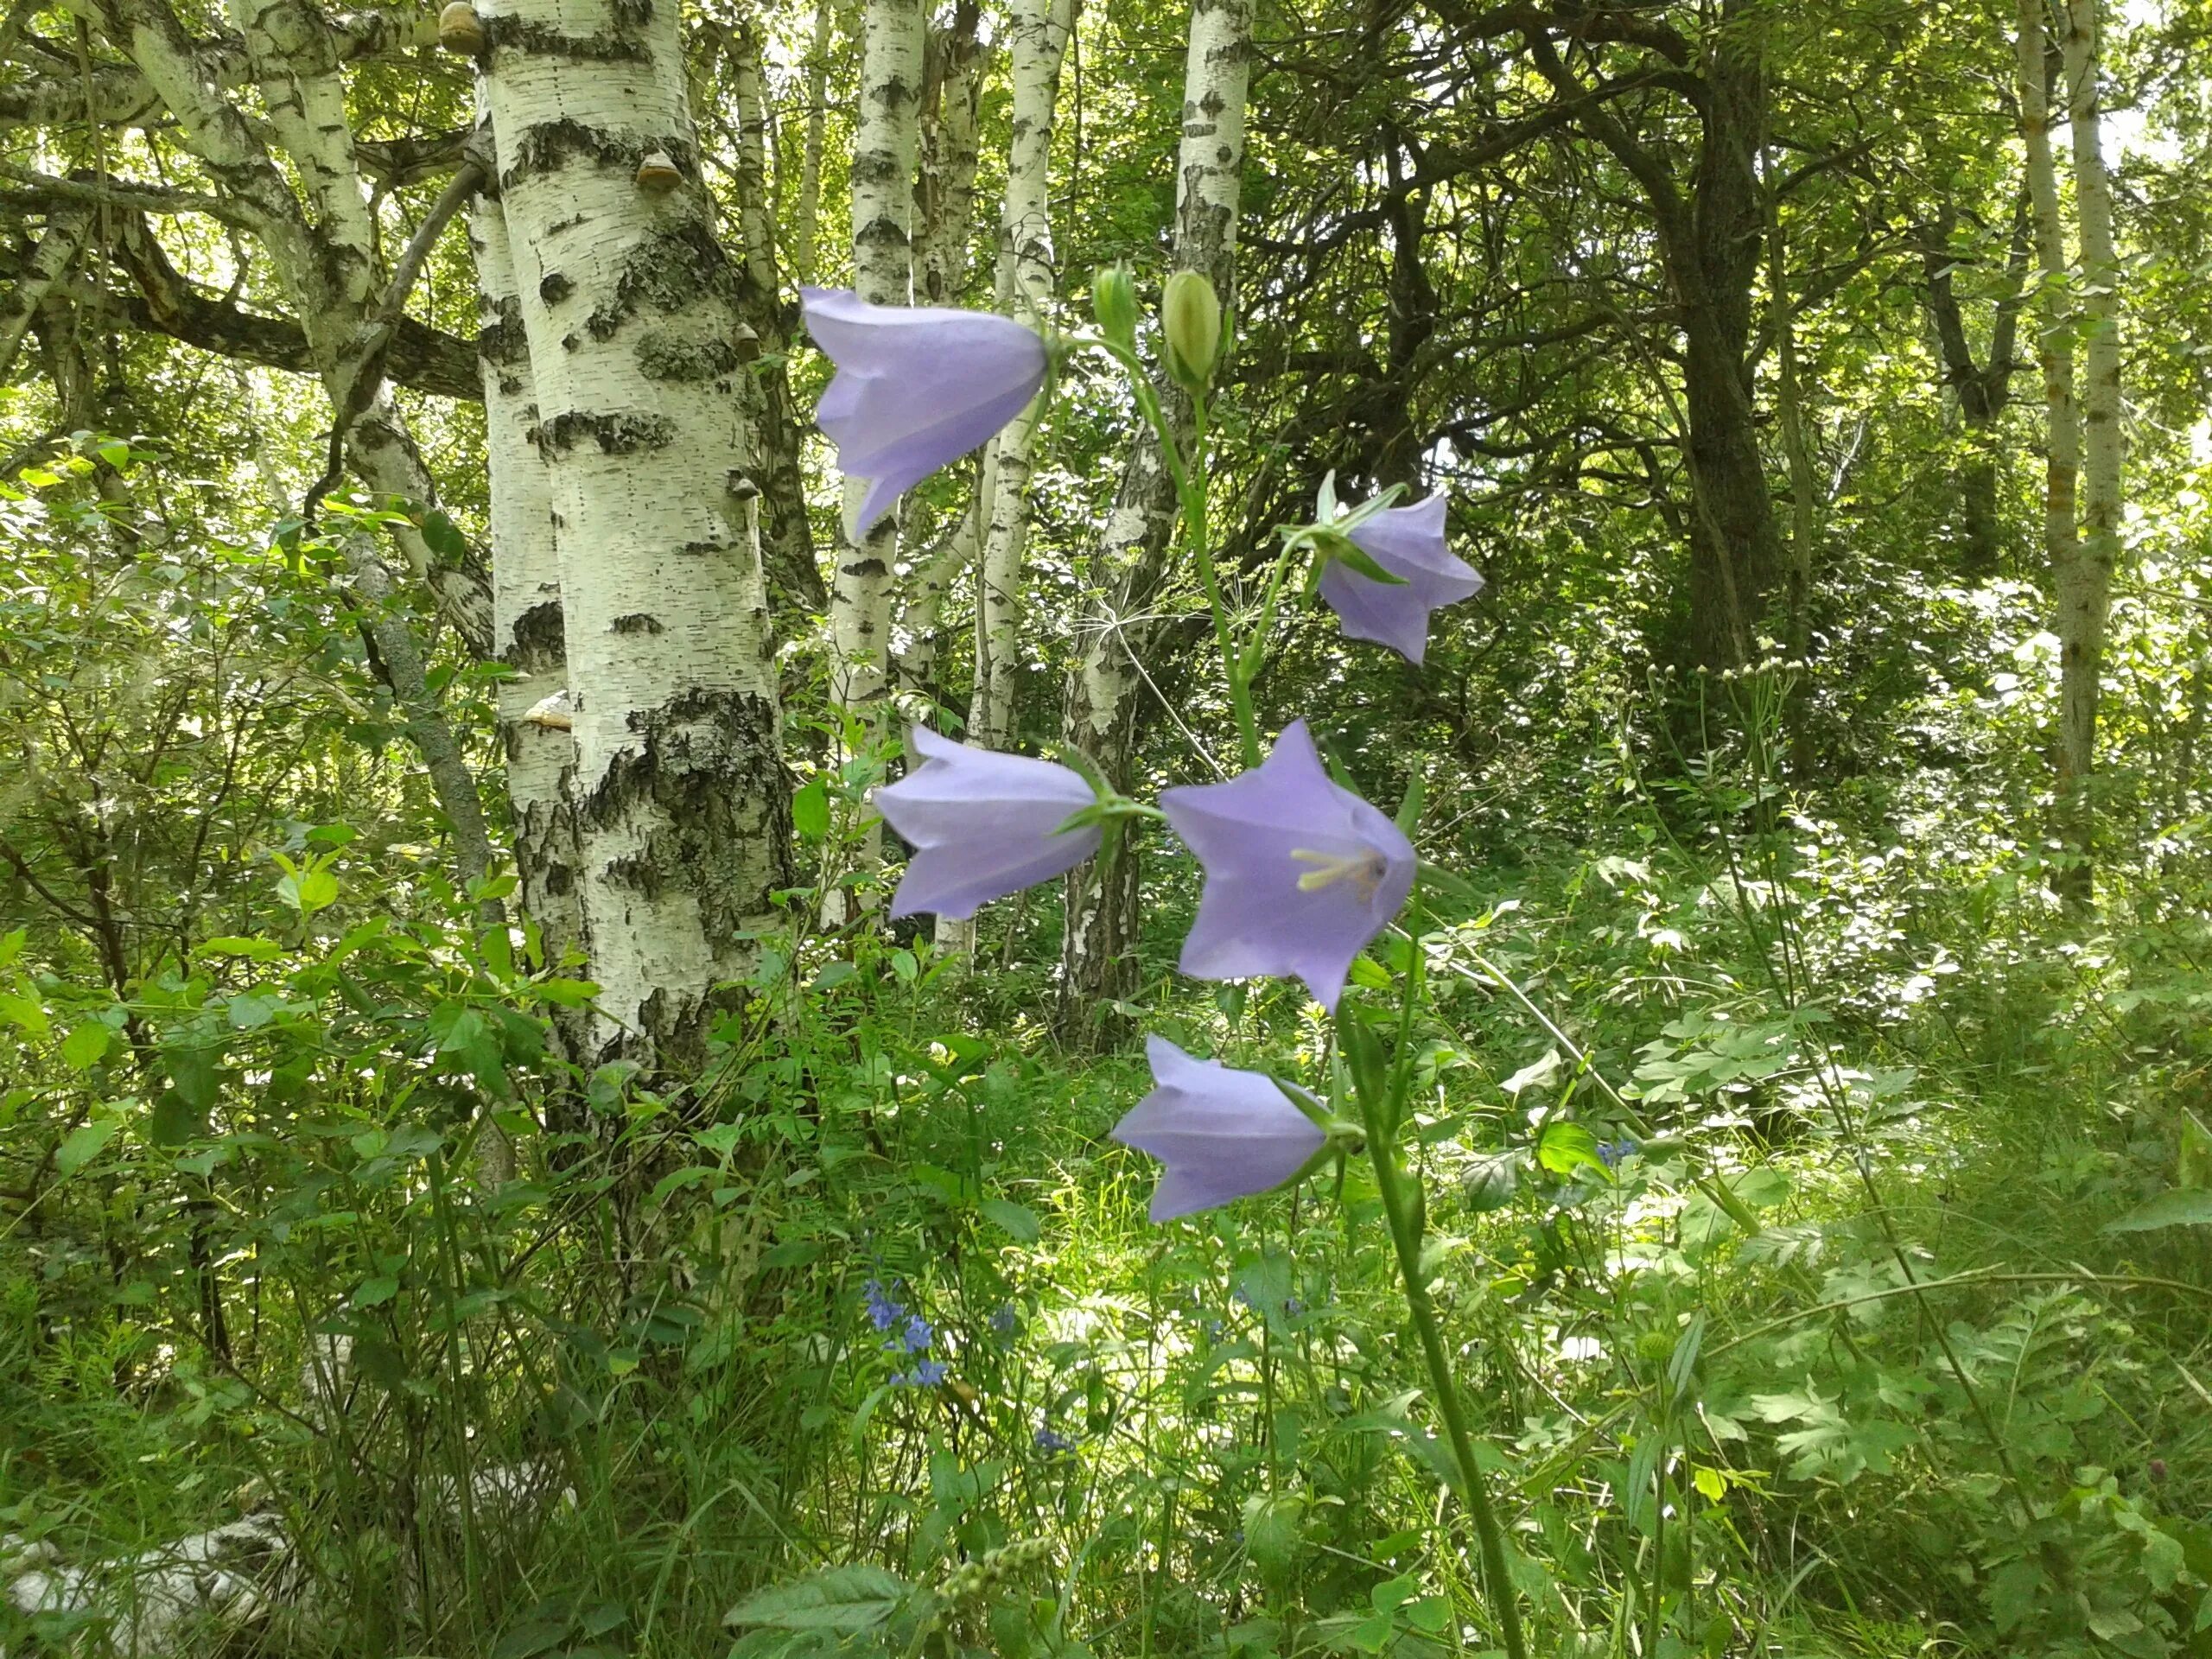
[983, 826]
[1408, 543]
[1223, 1133]
[1300, 873]
[916, 387]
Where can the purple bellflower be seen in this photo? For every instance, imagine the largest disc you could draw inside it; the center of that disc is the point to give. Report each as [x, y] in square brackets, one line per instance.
[1408, 543]
[983, 826]
[1223, 1133]
[917, 386]
[1300, 873]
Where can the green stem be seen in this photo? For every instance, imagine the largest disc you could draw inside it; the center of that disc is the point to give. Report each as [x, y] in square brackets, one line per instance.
[1399, 1206]
[1190, 478]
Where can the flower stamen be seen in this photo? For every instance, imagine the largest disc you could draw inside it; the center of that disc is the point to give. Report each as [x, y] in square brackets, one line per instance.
[1364, 869]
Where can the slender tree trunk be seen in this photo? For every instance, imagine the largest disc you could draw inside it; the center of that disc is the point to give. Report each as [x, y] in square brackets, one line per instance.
[921, 628]
[1789, 406]
[806, 213]
[795, 588]
[635, 346]
[2084, 582]
[50, 260]
[1098, 951]
[945, 186]
[883, 203]
[2062, 469]
[1983, 390]
[1024, 290]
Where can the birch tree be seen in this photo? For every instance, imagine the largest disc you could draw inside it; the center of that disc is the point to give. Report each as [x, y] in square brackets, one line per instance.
[794, 582]
[636, 349]
[2084, 580]
[2062, 438]
[1024, 290]
[1098, 962]
[883, 204]
[529, 628]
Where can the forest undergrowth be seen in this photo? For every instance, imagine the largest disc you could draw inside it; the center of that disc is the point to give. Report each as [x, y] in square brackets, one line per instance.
[1816, 1218]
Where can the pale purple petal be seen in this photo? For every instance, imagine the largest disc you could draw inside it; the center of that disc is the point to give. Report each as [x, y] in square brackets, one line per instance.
[916, 387]
[1222, 1134]
[1408, 543]
[983, 826]
[1300, 873]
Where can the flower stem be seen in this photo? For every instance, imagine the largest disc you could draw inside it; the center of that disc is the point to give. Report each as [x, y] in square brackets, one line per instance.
[1400, 1205]
[1190, 476]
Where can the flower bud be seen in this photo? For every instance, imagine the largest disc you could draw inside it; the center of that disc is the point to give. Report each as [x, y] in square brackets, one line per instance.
[1190, 316]
[1113, 302]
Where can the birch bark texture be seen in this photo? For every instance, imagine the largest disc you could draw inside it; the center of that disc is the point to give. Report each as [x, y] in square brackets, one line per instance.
[629, 309]
[954, 64]
[1127, 571]
[883, 150]
[1024, 290]
[323, 251]
[2084, 582]
[528, 626]
[795, 590]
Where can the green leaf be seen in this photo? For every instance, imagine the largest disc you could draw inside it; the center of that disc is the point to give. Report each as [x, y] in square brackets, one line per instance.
[1565, 1147]
[82, 1048]
[1014, 1220]
[307, 891]
[83, 1144]
[811, 810]
[374, 1293]
[857, 1598]
[443, 539]
[173, 1121]
[2182, 1207]
[23, 1011]
[192, 1074]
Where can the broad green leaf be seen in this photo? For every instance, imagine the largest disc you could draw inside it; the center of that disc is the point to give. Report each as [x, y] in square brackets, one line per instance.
[856, 1597]
[811, 810]
[82, 1048]
[2182, 1206]
[83, 1144]
[1564, 1147]
[1013, 1219]
[25, 1011]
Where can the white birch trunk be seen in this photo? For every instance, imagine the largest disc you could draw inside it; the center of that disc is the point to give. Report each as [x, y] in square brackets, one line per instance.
[55, 253]
[533, 701]
[628, 307]
[945, 186]
[883, 201]
[806, 213]
[2084, 582]
[1098, 954]
[1025, 290]
[928, 584]
[883, 174]
[323, 258]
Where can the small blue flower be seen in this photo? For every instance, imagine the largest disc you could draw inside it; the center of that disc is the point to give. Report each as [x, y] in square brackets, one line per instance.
[917, 1335]
[882, 1312]
[926, 1374]
[1004, 1321]
[1292, 1307]
[1051, 1440]
[1614, 1154]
